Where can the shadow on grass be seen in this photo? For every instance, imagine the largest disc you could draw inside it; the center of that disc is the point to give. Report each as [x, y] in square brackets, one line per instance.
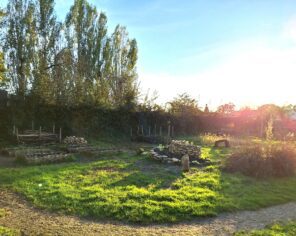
[145, 172]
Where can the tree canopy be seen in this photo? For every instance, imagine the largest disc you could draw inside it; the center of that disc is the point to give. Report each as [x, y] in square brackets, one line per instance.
[68, 63]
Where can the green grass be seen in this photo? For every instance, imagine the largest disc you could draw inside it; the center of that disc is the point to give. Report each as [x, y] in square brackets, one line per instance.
[288, 229]
[2, 213]
[134, 188]
[8, 232]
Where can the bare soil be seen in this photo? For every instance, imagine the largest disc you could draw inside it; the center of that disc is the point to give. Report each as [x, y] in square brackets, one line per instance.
[31, 221]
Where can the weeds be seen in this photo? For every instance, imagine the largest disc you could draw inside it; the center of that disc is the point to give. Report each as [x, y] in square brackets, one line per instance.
[265, 160]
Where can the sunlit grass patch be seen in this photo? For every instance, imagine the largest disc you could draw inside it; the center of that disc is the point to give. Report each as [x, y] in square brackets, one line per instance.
[2, 212]
[8, 232]
[134, 188]
[279, 229]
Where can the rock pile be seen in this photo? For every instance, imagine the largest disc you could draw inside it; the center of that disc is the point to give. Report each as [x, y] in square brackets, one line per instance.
[48, 159]
[73, 140]
[163, 156]
[174, 152]
[182, 147]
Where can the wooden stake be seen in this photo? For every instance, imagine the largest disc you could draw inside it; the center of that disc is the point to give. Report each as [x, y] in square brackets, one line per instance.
[13, 130]
[155, 130]
[173, 131]
[160, 131]
[142, 130]
[138, 130]
[131, 132]
[53, 128]
[40, 129]
[32, 125]
[17, 137]
[60, 136]
[149, 131]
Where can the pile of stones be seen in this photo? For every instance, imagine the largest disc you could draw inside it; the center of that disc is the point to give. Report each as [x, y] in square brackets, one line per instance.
[174, 152]
[73, 140]
[55, 158]
[181, 147]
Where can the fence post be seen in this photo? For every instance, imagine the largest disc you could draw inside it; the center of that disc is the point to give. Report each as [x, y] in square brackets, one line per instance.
[40, 129]
[17, 136]
[169, 129]
[60, 136]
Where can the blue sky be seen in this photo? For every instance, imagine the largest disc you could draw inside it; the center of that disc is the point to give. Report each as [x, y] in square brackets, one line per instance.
[241, 51]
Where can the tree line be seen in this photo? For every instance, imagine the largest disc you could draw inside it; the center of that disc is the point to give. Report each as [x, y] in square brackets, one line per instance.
[69, 63]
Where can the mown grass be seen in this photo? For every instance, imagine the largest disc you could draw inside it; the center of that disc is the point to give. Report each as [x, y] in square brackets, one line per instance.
[287, 229]
[136, 189]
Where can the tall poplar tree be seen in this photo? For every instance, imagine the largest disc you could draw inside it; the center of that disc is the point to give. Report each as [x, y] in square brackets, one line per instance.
[48, 32]
[19, 44]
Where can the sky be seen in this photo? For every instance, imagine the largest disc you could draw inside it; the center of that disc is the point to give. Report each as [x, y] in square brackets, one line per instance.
[240, 51]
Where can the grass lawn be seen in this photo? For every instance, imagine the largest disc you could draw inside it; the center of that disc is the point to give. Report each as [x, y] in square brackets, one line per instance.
[136, 189]
[288, 229]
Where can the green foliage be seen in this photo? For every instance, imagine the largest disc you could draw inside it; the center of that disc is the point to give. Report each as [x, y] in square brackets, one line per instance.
[279, 229]
[3, 79]
[2, 212]
[8, 232]
[136, 189]
[68, 63]
[184, 104]
[226, 108]
[265, 160]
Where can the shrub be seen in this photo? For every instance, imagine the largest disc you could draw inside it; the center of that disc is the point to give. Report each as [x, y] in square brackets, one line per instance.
[265, 160]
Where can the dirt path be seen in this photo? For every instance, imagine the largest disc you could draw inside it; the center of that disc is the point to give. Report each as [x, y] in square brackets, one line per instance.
[32, 221]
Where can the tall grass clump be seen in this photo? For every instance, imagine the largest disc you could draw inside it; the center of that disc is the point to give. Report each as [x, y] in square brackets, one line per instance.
[209, 139]
[264, 160]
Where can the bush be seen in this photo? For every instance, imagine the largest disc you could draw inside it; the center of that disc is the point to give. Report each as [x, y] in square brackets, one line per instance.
[265, 160]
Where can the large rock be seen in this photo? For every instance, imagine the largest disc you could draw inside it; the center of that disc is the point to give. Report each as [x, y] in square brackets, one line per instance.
[185, 163]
